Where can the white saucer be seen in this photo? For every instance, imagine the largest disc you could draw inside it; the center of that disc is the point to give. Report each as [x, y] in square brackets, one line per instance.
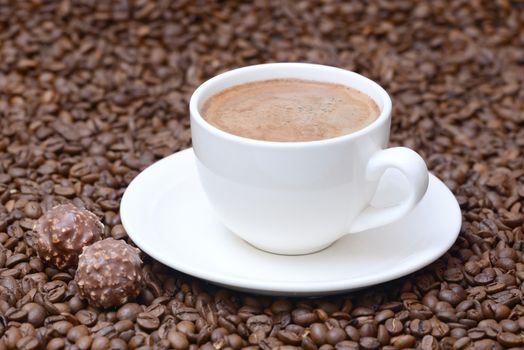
[166, 213]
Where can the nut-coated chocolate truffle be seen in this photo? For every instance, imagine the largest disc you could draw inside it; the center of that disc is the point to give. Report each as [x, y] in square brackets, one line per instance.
[62, 232]
[109, 273]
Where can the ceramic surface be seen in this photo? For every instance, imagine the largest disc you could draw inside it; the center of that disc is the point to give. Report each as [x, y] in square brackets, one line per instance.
[299, 197]
[167, 214]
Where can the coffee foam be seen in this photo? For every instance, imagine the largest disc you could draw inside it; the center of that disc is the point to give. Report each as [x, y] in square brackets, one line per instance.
[290, 110]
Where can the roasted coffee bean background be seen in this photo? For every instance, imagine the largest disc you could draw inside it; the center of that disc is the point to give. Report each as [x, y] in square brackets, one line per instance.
[92, 92]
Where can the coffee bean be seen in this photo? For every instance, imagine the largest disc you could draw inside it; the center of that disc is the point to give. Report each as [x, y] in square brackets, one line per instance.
[75, 304]
[520, 321]
[458, 332]
[473, 314]
[383, 335]
[244, 312]
[506, 280]
[472, 268]
[484, 279]
[476, 333]
[56, 344]
[77, 332]
[281, 305]
[465, 305]
[16, 315]
[295, 329]
[289, 338]
[259, 322]
[439, 329]
[394, 326]
[86, 317]
[487, 344]
[352, 333]
[218, 334]
[118, 232]
[32, 210]
[507, 298]
[11, 337]
[510, 326]
[308, 344]
[490, 326]
[127, 335]
[256, 337]
[186, 313]
[467, 322]
[368, 329]
[429, 343]
[62, 327]
[207, 346]
[501, 311]
[450, 296]
[16, 259]
[105, 329]
[186, 327]
[453, 275]
[147, 321]
[281, 319]
[347, 345]
[235, 341]
[326, 347]
[270, 343]
[447, 316]
[100, 343]
[462, 343]
[129, 311]
[335, 335]
[384, 315]
[136, 341]
[27, 343]
[123, 325]
[84, 342]
[403, 341]
[362, 311]
[369, 343]
[321, 314]
[318, 332]
[509, 339]
[118, 344]
[204, 334]
[304, 317]
[419, 328]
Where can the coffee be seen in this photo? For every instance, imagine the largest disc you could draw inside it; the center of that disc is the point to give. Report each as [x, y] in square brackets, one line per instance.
[290, 110]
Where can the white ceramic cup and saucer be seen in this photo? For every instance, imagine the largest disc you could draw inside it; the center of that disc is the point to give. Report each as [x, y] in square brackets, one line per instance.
[301, 200]
[300, 197]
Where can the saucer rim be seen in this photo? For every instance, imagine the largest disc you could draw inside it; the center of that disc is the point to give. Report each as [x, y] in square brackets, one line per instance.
[278, 287]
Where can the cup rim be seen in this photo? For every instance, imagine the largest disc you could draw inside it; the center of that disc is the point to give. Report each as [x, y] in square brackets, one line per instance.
[200, 90]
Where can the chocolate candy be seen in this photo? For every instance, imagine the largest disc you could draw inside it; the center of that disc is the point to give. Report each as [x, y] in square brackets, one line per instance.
[62, 232]
[109, 273]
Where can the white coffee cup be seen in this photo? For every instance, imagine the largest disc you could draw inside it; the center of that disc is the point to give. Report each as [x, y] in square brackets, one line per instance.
[300, 197]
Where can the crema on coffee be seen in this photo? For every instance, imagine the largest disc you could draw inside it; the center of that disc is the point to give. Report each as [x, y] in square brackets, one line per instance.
[288, 110]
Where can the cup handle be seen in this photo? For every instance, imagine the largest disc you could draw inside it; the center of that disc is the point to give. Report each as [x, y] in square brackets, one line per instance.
[412, 167]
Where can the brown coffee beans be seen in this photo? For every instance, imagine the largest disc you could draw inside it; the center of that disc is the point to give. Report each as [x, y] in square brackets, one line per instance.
[92, 92]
